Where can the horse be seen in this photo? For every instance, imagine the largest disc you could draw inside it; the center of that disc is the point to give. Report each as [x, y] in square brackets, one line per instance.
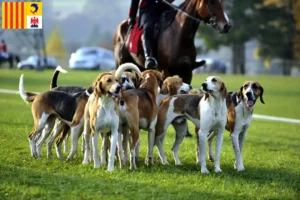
[174, 49]
[10, 59]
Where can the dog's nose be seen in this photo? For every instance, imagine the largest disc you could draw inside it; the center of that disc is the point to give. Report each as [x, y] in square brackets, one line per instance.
[118, 88]
[204, 85]
[249, 95]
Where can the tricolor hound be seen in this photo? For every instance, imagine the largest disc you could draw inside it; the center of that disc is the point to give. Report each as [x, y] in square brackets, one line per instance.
[103, 113]
[240, 106]
[207, 112]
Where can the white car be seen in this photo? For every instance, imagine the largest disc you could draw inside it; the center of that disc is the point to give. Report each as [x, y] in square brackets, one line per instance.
[31, 63]
[92, 58]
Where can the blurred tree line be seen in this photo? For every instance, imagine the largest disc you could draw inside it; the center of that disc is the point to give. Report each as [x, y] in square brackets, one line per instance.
[275, 24]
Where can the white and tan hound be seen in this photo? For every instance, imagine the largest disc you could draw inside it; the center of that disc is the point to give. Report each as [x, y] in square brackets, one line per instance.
[102, 113]
[240, 107]
[207, 112]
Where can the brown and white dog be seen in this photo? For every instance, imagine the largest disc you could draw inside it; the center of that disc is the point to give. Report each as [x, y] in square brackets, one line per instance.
[138, 110]
[171, 86]
[67, 107]
[127, 81]
[240, 107]
[207, 112]
[103, 112]
[49, 125]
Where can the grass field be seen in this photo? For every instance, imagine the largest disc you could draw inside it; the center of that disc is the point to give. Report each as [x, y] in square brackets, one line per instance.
[271, 153]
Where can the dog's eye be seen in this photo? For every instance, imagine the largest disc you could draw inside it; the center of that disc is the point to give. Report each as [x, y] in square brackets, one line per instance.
[245, 86]
[108, 80]
[254, 86]
[214, 80]
[123, 79]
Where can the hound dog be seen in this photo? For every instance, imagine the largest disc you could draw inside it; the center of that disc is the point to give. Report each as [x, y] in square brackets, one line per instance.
[128, 81]
[240, 107]
[50, 124]
[207, 112]
[171, 86]
[138, 110]
[103, 112]
[68, 107]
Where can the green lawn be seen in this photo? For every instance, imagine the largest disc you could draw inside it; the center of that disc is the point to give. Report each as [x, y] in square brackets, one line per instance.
[271, 153]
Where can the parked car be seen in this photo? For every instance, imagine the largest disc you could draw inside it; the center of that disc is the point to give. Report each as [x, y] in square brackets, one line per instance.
[92, 58]
[32, 61]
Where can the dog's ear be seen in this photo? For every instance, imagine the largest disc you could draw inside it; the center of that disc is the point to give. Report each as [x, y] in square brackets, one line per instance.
[164, 88]
[261, 94]
[160, 83]
[158, 76]
[98, 91]
[224, 90]
[206, 95]
[137, 81]
[98, 84]
[240, 94]
[172, 89]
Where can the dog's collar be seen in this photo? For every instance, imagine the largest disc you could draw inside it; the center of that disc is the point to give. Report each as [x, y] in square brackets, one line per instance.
[87, 93]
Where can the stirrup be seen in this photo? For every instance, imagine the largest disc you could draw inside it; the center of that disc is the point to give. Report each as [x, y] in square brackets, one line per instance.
[150, 63]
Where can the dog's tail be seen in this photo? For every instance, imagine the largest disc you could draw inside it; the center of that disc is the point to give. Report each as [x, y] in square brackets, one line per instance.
[26, 96]
[55, 75]
[127, 66]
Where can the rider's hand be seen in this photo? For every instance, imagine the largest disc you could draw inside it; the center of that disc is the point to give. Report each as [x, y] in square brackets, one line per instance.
[131, 21]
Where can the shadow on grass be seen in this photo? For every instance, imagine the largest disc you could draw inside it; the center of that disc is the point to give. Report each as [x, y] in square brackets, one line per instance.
[258, 175]
[10, 123]
[92, 183]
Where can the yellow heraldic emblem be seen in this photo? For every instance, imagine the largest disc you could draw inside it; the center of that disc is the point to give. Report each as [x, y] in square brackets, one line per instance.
[22, 15]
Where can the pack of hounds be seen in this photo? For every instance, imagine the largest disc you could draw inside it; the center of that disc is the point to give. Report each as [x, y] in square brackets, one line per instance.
[121, 102]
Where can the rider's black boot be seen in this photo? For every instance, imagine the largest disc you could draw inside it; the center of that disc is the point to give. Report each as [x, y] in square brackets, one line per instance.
[150, 62]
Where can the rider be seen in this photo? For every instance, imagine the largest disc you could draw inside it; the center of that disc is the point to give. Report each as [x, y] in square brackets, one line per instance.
[150, 11]
[3, 49]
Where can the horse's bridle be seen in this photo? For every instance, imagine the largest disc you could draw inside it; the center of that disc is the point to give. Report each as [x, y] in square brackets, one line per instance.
[212, 20]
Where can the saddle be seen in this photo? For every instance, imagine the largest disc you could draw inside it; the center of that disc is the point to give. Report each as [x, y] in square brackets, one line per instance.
[134, 39]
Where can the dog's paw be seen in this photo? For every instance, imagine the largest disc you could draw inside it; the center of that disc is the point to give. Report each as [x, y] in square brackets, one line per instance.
[110, 168]
[178, 163]
[204, 171]
[218, 170]
[85, 162]
[165, 162]
[133, 167]
[240, 168]
[96, 166]
[34, 155]
[149, 161]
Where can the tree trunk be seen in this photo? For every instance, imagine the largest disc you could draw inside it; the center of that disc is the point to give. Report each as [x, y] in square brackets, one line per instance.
[290, 46]
[238, 58]
[286, 68]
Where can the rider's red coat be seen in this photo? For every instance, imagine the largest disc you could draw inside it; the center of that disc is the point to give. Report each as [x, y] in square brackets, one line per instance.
[3, 48]
[135, 5]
